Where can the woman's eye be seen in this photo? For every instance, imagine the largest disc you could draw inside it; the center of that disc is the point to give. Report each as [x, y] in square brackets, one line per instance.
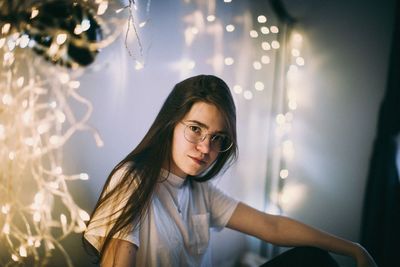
[217, 138]
[195, 129]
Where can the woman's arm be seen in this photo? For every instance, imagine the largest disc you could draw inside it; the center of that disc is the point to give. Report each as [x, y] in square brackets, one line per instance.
[284, 231]
[120, 253]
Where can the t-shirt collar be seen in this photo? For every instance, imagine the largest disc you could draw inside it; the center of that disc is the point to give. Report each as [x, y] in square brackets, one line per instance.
[172, 179]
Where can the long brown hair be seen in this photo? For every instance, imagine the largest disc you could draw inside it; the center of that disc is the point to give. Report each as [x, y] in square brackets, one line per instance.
[143, 165]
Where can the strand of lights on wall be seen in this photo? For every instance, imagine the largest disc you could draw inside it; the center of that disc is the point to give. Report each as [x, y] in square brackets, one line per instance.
[36, 120]
[204, 20]
[284, 120]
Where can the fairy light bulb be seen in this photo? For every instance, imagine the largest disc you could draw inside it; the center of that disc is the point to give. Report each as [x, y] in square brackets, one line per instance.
[264, 30]
[78, 29]
[253, 34]
[257, 65]
[34, 12]
[20, 81]
[237, 89]
[61, 38]
[85, 24]
[102, 8]
[36, 216]
[83, 176]
[14, 257]
[261, 19]
[275, 44]
[230, 28]
[265, 46]
[228, 61]
[138, 65]
[23, 41]
[84, 215]
[22, 251]
[300, 61]
[259, 86]
[274, 29]
[2, 42]
[210, 18]
[280, 119]
[295, 52]
[248, 95]
[6, 28]
[265, 59]
[284, 173]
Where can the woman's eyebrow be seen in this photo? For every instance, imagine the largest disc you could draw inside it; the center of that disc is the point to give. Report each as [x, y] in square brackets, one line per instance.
[199, 123]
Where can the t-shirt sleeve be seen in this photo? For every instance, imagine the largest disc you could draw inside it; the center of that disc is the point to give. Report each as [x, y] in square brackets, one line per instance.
[100, 223]
[221, 206]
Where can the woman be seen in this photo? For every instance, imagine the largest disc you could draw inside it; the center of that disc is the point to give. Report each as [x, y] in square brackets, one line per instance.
[157, 205]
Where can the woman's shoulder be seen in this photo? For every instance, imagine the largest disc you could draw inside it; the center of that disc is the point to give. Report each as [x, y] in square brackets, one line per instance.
[122, 174]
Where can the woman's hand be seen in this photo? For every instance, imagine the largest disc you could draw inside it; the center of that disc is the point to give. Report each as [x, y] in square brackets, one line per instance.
[363, 258]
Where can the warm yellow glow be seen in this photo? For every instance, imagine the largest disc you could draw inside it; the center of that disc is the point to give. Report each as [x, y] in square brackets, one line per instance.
[34, 12]
[6, 28]
[22, 251]
[78, 29]
[61, 38]
[2, 42]
[14, 257]
[23, 41]
[102, 8]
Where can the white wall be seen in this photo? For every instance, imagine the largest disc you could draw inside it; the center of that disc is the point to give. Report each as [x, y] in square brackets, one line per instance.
[347, 50]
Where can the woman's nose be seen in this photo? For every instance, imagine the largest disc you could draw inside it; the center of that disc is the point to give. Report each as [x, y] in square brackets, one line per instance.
[205, 145]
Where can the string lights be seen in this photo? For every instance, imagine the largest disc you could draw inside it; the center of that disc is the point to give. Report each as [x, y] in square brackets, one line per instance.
[285, 193]
[266, 63]
[239, 57]
[43, 45]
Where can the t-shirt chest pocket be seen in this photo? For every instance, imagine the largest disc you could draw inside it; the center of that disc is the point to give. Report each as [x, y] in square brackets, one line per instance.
[201, 232]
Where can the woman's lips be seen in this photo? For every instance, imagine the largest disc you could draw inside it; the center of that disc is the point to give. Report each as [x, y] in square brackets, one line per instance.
[198, 160]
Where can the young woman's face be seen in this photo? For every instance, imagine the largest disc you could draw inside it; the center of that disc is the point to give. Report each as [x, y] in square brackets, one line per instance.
[190, 158]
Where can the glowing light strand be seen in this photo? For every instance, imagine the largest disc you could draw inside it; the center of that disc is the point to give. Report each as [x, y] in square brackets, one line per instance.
[37, 210]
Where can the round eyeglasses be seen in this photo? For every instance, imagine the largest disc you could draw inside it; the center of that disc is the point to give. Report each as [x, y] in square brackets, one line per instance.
[195, 134]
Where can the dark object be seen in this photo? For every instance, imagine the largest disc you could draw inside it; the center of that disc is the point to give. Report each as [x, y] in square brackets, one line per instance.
[302, 257]
[380, 231]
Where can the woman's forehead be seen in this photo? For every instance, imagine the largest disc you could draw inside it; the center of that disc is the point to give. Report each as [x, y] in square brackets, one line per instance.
[207, 115]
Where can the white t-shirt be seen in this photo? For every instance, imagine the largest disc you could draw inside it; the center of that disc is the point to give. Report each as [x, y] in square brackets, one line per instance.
[176, 229]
